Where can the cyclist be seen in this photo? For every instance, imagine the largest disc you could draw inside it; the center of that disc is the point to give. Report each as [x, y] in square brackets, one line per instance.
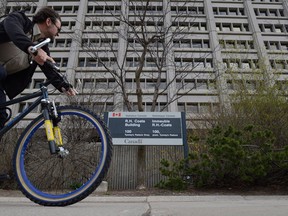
[17, 34]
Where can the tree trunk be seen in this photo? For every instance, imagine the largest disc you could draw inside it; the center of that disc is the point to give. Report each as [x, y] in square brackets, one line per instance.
[141, 167]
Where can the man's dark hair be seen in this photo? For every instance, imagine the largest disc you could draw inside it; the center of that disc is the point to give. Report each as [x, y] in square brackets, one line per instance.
[44, 13]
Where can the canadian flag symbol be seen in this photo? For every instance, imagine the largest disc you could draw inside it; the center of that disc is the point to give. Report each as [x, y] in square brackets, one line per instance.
[116, 114]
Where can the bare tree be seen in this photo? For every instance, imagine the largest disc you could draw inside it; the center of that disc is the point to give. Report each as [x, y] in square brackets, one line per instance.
[3, 4]
[147, 38]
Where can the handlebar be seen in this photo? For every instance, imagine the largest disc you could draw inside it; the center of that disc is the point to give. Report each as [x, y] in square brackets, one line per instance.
[34, 49]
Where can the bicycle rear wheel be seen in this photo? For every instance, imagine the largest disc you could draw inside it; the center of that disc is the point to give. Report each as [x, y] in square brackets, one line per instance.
[52, 180]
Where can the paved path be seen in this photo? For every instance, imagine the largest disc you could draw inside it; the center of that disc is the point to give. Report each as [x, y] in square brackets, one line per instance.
[154, 206]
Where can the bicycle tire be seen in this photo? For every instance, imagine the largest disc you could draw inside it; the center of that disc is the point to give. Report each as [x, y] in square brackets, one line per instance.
[51, 180]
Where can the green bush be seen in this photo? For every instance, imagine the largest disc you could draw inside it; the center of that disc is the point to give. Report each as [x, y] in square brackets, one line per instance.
[233, 158]
[174, 173]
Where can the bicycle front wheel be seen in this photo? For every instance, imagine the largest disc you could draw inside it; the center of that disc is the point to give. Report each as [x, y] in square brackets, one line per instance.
[54, 180]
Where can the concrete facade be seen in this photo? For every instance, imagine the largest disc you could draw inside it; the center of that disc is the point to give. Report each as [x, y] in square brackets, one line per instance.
[214, 38]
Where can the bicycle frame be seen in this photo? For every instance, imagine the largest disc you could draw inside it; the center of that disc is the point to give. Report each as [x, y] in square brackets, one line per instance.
[42, 95]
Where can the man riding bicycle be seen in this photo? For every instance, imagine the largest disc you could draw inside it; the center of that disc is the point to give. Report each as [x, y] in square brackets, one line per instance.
[17, 35]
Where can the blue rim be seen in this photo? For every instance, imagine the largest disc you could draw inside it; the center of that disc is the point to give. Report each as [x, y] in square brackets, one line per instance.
[59, 196]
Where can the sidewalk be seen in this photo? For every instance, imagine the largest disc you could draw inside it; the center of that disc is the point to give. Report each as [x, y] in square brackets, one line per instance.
[199, 205]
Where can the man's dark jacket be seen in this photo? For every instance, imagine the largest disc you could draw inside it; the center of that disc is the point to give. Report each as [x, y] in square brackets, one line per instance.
[14, 28]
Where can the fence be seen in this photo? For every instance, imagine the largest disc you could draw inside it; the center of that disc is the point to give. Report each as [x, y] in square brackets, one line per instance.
[122, 174]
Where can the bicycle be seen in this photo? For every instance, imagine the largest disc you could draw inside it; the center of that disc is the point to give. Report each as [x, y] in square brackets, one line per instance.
[63, 154]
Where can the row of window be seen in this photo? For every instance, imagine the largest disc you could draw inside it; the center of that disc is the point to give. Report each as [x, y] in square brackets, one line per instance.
[230, 0]
[73, 9]
[184, 43]
[97, 42]
[269, 12]
[228, 11]
[198, 108]
[282, 85]
[103, 9]
[276, 28]
[134, 43]
[187, 63]
[134, 62]
[276, 45]
[179, 63]
[148, 8]
[266, 1]
[187, 10]
[28, 9]
[129, 83]
[100, 25]
[237, 44]
[238, 84]
[98, 107]
[198, 84]
[98, 83]
[235, 64]
[63, 42]
[232, 27]
[193, 63]
[110, 83]
[68, 26]
[93, 62]
[279, 64]
[186, 84]
[115, 9]
[191, 43]
[252, 64]
[61, 62]
[241, 12]
[114, 25]
[253, 84]
[160, 106]
[188, 26]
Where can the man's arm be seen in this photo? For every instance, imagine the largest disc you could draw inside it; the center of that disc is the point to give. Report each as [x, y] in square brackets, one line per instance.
[57, 79]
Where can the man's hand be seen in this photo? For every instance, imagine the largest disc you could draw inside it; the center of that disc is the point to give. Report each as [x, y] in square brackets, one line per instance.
[41, 57]
[70, 92]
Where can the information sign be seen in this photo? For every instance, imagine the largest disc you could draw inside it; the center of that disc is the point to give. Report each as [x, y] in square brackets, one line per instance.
[147, 128]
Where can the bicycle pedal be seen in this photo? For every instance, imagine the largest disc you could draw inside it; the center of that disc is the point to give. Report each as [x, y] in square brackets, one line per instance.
[4, 177]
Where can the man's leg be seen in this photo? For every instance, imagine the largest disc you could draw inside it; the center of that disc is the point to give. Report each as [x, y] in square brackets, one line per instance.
[3, 114]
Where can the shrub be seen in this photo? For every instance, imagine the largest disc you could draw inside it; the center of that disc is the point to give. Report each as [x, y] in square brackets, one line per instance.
[233, 158]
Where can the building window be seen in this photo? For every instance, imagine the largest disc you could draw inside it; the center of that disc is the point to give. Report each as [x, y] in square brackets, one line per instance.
[24, 105]
[279, 64]
[192, 108]
[237, 27]
[197, 44]
[37, 83]
[61, 62]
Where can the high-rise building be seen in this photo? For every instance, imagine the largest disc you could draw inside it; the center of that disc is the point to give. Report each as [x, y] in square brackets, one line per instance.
[209, 47]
